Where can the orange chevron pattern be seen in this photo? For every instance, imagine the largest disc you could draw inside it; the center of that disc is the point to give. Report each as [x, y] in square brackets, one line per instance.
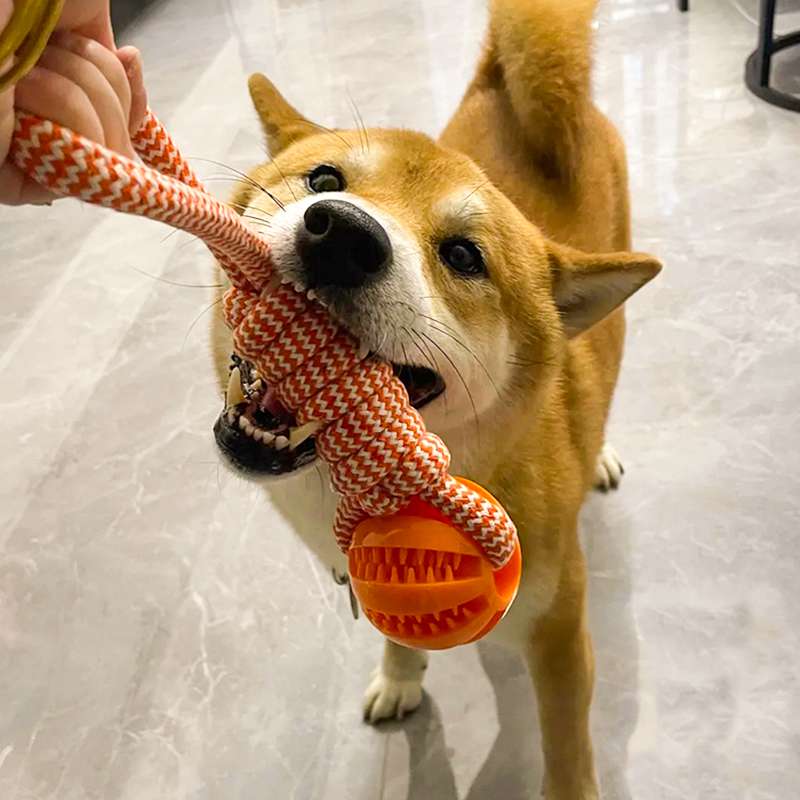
[376, 445]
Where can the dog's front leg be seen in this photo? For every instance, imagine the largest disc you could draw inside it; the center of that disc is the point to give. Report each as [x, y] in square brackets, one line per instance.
[396, 686]
[562, 666]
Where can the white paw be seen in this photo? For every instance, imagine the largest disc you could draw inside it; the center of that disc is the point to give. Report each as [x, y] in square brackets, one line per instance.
[609, 470]
[386, 697]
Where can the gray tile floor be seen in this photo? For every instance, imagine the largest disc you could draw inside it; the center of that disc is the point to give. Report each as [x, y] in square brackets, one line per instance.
[163, 635]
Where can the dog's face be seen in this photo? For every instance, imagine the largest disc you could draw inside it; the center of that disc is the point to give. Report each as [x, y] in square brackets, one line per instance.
[427, 264]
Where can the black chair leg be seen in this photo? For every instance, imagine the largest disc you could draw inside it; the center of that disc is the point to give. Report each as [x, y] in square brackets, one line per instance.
[758, 68]
[766, 28]
[683, 5]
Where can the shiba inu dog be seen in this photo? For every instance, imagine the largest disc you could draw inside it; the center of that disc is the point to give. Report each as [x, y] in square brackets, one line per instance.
[490, 268]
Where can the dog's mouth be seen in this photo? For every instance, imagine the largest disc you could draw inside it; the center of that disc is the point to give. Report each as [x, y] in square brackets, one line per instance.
[259, 435]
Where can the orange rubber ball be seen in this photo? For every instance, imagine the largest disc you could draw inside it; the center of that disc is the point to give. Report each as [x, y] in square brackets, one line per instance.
[424, 584]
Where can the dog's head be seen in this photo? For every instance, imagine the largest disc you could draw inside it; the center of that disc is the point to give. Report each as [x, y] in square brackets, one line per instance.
[429, 265]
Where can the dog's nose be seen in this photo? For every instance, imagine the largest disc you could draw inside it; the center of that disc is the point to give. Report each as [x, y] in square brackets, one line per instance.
[341, 245]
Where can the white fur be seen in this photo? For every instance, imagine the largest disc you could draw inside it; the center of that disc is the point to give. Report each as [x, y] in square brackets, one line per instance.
[396, 686]
[609, 471]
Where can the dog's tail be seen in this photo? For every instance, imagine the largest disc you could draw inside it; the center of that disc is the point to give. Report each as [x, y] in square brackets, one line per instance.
[540, 50]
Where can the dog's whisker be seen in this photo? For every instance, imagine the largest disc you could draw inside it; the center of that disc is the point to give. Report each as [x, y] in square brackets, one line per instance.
[466, 199]
[324, 129]
[245, 177]
[360, 126]
[283, 177]
[406, 359]
[232, 179]
[177, 283]
[264, 223]
[463, 383]
[197, 319]
[242, 207]
[451, 333]
[432, 360]
[412, 334]
[433, 324]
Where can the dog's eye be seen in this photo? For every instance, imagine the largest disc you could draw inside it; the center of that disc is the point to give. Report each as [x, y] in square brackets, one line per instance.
[325, 178]
[462, 256]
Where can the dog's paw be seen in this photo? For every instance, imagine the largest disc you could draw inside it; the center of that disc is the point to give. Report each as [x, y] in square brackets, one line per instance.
[609, 470]
[388, 698]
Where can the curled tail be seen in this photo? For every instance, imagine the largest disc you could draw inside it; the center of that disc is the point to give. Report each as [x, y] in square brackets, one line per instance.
[540, 51]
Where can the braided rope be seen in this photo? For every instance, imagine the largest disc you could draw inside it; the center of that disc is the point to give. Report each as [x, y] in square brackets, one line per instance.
[375, 442]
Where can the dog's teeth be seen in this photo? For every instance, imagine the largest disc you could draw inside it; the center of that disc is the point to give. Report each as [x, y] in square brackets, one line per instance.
[311, 294]
[281, 442]
[298, 287]
[285, 280]
[231, 416]
[363, 352]
[234, 394]
[243, 423]
[298, 435]
[267, 437]
[258, 435]
[256, 385]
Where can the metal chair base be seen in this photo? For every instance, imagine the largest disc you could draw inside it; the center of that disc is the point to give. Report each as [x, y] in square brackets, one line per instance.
[757, 69]
[757, 77]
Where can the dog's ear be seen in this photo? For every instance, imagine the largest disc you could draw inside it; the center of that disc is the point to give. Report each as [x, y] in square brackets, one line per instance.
[588, 286]
[282, 123]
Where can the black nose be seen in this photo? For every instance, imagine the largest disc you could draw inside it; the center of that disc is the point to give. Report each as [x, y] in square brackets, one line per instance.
[341, 245]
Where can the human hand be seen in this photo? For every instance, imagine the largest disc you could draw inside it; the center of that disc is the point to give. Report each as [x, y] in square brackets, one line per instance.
[80, 82]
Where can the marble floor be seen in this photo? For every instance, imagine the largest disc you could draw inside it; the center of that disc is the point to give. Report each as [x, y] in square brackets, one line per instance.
[162, 635]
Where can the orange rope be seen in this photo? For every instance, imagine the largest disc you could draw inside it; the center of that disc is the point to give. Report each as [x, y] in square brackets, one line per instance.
[376, 445]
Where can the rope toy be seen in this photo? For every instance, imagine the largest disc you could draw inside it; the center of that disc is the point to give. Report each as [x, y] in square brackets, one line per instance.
[433, 559]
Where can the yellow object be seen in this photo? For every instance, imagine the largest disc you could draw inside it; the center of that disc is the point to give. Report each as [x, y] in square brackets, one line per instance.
[26, 36]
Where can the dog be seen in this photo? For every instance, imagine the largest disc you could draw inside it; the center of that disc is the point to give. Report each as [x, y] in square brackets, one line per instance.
[490, 268]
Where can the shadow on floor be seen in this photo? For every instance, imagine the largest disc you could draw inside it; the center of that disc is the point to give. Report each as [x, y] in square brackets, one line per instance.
[513, 769]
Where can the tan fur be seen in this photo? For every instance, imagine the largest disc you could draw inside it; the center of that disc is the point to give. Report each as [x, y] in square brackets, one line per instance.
[526, 161]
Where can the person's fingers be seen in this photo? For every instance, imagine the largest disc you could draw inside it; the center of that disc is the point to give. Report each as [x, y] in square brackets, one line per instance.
[16, 189]
[131, 60]
[87, 76]
[90, 18]
[52, 96]
[104, 59]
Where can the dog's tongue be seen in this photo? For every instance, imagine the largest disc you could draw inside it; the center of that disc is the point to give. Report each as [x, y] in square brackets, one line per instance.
[269, 402]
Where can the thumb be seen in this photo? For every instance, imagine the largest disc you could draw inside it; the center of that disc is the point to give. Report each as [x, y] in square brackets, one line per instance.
[131, 60]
